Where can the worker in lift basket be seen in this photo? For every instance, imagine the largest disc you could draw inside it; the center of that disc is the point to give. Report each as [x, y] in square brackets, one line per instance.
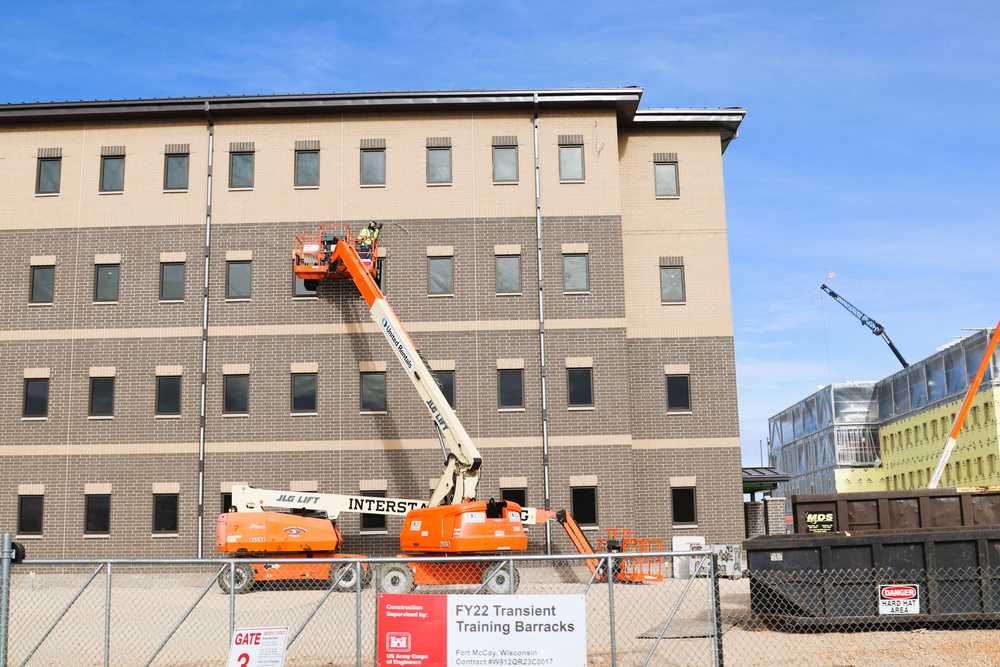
[366, 239]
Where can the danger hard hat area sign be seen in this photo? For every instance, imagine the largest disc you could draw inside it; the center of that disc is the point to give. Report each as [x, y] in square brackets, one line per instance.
[894, 599]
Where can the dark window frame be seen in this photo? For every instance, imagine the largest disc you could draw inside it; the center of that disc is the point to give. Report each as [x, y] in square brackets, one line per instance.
[446, 382]
[683, 296]
[98, 282]
[688, 504]
[163, 283]
[434, 261]
[97, 519]
[586, 259]
[33, 288]
[678, 378]
[676, 180]
[315, 393]
[583, 170]
[102, 389]
[230, 265]
[370, 408]
[496, 265]
[171, 157]
[570, 393]
[518, 495]
[24, 404]
[22, 511]
[439, 149]
[160, 395]
[163, 522]
[384, 167]
[38, 176]
[585, 515]
[374, 523]
[242, 185]
[299, 182]
[517, 170]
[230, 383]
[509, 372]
[104, 185]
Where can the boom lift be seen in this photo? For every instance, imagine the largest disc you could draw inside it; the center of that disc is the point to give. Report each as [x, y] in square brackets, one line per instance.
[451, 523]
[875, 327]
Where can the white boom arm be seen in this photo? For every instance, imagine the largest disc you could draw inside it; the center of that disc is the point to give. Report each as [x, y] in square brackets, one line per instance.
[249, 499]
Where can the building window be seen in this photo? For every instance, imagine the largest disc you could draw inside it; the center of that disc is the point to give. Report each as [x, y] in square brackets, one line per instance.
[510, 388]
[373, 392]
[306, 169]
[168, 395]
[238, 280]
[299, 287]
[505, 164]
[36, 397]
[683, 506]
[672, 284]
[106, 282]
[439, 165]
[665, 175]
[29, 515]
[678, 393]
[113, 173]
[580, 387]
[102, 397]
[98, 514]
[571, 162]
[237, 394]
[446, 381]
[43, 284]
[508, 274]
[373, 166]
[519, 496]
[575, 273]
[226, 502]
[49, 172]
[165, 512]
[172, 281]
[175, 172]
[583, 505]
[241, 170]
[440, 275]
[304, 392]
[373, 522]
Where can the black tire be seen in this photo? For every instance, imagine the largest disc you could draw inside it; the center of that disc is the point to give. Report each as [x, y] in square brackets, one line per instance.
[396, 579]
[348, 583]
[497, 579]
[244, 578]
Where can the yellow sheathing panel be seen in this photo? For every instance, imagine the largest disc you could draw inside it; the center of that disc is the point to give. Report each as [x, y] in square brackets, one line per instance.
[911, 447]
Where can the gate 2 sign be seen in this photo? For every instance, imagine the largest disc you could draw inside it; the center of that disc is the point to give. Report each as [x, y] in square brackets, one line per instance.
[258, 647]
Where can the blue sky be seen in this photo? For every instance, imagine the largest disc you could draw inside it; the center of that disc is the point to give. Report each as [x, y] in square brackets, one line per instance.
[868, 149]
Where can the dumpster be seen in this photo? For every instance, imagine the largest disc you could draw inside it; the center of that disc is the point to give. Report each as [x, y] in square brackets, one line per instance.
[896, 510]
[893, 578]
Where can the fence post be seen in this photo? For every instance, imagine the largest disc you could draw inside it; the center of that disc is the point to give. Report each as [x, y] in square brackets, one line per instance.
[610, 574]
[716, 609]
[6, 555]
[107, 619]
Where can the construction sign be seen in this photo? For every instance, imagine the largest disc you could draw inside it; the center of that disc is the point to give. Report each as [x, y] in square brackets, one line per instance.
[258, 647]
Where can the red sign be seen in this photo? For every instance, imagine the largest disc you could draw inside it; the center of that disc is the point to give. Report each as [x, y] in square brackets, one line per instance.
[414, 631]
[899, 592]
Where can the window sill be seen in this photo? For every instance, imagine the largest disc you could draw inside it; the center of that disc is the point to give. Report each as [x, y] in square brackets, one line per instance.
[590, 528]
[509, 294]
[166, 416]
[580, 408]
[101, 536]
[34, 419]
[373, 185]
[572, 182]
[587, 293]
[163, 536]
[678, 413]
[46, 194]
[28, 537]
[439, 185]
[174, 190]
[105, 303]
[510, 410]
[673, 303]
[668, 196]
[374, 532]
[41, 304]
[235, 415]
[373, 412]
[250, 189]
[305, 187]
[171, 301]
[505, 182]
[440, 296]
[684, 526]
[234, 300]
[112, 192]
[305, 298]
[303, 414]
[101, 417]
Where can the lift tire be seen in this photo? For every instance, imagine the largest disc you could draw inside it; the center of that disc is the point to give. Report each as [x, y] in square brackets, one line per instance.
[244, 578]
[395, 578]
[497, 581]
[348, 584]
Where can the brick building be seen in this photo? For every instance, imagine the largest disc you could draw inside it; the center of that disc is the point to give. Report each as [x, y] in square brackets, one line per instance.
[158, 349]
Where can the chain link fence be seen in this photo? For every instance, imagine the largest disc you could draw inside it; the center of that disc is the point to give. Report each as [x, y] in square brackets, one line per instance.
[183, 612]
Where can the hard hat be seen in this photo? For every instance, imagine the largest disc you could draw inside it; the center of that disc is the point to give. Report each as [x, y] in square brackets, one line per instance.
[372, 225]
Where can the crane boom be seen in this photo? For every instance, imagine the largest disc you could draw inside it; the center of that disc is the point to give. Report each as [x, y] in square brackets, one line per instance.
[875, 327]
